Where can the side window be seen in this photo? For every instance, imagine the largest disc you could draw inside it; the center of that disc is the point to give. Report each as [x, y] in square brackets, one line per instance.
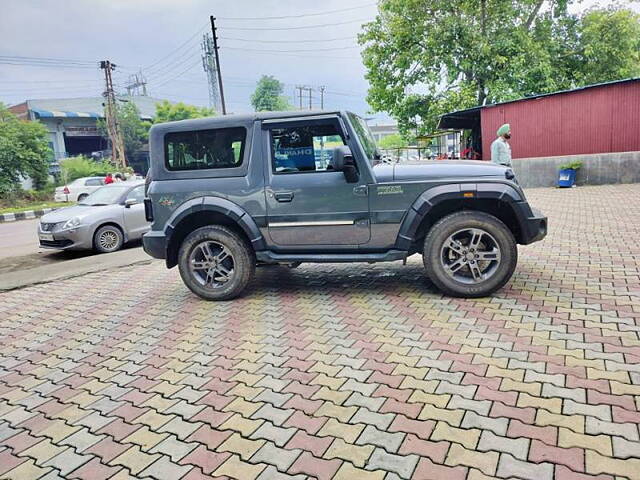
[219, 148]
[93, 182]
[304, 148]
[137, 194]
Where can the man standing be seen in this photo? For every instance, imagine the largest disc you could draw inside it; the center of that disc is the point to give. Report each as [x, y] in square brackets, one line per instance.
[500, 149]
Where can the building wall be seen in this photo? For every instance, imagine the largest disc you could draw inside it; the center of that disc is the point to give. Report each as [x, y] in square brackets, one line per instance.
[597, 120]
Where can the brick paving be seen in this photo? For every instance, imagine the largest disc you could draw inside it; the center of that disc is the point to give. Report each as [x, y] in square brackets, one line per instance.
[338, 372]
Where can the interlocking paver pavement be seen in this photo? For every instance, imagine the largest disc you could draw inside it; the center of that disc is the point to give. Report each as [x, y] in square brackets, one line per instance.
[343, 372]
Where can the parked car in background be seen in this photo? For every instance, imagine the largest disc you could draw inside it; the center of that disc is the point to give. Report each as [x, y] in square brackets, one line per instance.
[104, 220]
[78, 190]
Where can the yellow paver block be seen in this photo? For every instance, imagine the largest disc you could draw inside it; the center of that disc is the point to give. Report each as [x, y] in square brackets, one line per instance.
[236, 468]
[584, 362]
[515, 374]
[430, 412]
[58, 430]
[349, 472]
[159, 403]
[533, 388]
[248, 393]
[42, 451]
[72, 413]
[327, 381]
[25, 471]
[475, 475]
[241, 406]
[421, 386]
[153, 419]
[554, 405]
[599, 443]
[339, 412]
[321, 367]
[172, 377]
[83, 399]
[574, 423]
[337, 429]
[618, 388]
[416, 373]
[596, 463]
[165, 388]
[619, 376]
[246, 378]
[566, 353]
[241, 446]
[240, 424]
[356, 454]
[135, 459]
[247, 366]
[334, 396]
[486, 359]
[402, 359]
[466, 437]
[145, 438]
[486, 462]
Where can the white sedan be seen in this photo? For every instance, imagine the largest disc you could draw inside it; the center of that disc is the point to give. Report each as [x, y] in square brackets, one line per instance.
[78, 190]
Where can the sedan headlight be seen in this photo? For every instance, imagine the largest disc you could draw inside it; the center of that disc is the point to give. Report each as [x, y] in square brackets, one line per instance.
[71, 223]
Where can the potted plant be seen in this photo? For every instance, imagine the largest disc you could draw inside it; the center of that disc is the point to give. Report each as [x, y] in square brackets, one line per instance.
[567, 174]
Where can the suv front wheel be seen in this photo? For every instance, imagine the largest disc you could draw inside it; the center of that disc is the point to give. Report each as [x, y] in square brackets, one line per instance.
[216, 263]
[470, 254]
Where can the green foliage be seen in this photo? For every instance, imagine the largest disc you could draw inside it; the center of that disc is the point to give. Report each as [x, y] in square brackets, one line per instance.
[23, 152]
[78, 167]
[424, 59]
[571, 166]
[392, 141]
[268, 97]
[170, 112]
[135, 132]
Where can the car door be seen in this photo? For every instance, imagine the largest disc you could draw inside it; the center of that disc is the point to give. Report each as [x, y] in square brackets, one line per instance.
[92, 184]
[308, 203]
[135, 222]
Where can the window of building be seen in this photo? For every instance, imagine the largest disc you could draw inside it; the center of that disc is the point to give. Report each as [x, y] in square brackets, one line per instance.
[203, 149]
[304, 148]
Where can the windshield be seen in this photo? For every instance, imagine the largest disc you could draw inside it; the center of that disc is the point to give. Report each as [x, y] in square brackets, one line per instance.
[105, 196]
[366, 138]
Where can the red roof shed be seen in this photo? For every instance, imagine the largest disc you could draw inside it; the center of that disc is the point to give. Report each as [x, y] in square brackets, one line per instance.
[603, 118]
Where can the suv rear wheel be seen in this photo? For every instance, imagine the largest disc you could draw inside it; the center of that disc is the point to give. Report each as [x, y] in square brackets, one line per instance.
[216, 263]
[470, 254]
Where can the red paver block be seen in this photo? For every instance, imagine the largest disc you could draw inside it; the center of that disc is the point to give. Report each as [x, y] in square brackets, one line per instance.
[392, 381]
[205, 459]
[391, 405]
[484, 393]
[525, 415]
[305, 391]
[597, 398]
[107, 449]
[21, 441]
[311, 443]
[548, 435]
[301, 403]
[216, 400]
[316, 467]
[211, 416]
[622, 415]
[9, 461]
[427, 470]
[420, 428]
[563, 473]
[94, 470]
[305, 422]
[436, 451]
[571, 457]
[208, 436]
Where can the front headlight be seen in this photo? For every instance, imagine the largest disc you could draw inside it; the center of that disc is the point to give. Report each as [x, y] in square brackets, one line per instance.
[71, 223]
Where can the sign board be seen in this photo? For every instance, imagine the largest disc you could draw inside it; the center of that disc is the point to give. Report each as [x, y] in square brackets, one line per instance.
[81, 132]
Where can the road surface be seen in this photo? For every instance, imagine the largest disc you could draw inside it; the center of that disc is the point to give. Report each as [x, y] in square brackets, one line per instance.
[19, 238]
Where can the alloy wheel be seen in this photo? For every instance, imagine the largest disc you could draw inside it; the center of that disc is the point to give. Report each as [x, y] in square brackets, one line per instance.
[470, 255]
[211, 264]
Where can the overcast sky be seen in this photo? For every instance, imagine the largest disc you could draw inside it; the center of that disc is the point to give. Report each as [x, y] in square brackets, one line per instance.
[162, 39]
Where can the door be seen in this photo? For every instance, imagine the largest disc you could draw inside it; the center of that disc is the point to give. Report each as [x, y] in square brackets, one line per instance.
[134, 219]
[308, 203]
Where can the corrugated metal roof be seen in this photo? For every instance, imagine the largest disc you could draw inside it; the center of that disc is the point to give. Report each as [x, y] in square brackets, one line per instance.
[461, 113]
[79, 106]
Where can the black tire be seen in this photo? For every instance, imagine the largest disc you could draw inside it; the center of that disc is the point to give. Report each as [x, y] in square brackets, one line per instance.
[107, 239]
[437, 257]
[242, 257]
[82, 196]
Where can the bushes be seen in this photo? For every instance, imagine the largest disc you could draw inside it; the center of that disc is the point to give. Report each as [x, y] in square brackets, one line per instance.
[78, 167]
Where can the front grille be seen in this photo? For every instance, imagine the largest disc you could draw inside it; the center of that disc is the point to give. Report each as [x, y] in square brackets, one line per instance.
[47, 227]
[56, 243]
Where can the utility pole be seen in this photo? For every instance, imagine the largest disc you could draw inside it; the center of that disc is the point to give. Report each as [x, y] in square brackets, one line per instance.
[300, 89]
[322, 88]
[113, 129]
[309, 89]
[211, 69]
[215, 49]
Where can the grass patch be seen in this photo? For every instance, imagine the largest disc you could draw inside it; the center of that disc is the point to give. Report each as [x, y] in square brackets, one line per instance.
[34, 206]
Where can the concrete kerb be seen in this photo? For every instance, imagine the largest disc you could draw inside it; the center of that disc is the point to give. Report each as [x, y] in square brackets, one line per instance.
[29, 214]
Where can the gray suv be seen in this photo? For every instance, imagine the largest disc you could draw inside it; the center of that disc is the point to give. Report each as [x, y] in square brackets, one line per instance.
[229, 193]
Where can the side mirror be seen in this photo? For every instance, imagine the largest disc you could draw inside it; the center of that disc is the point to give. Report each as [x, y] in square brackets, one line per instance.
[343, 161]
[130, 201]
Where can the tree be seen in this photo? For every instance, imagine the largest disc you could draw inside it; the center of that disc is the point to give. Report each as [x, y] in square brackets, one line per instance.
[427, 58]
[170, 112]
[268, 97]
[24, 152]
[134, 130]
[393, 141]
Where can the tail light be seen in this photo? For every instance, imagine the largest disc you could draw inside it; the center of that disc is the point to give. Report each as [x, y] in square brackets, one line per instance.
[65, 190]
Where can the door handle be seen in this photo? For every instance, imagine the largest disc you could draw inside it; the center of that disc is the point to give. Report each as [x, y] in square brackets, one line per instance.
[283, 196]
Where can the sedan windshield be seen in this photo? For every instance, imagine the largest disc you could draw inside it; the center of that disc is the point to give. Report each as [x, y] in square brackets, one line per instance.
[105, 196]
[366, 138]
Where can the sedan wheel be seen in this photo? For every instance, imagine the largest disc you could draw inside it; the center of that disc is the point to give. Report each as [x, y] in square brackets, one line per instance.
[108, 239]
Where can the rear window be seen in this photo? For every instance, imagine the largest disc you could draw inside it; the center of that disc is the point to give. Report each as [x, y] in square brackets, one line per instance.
[204, 149]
